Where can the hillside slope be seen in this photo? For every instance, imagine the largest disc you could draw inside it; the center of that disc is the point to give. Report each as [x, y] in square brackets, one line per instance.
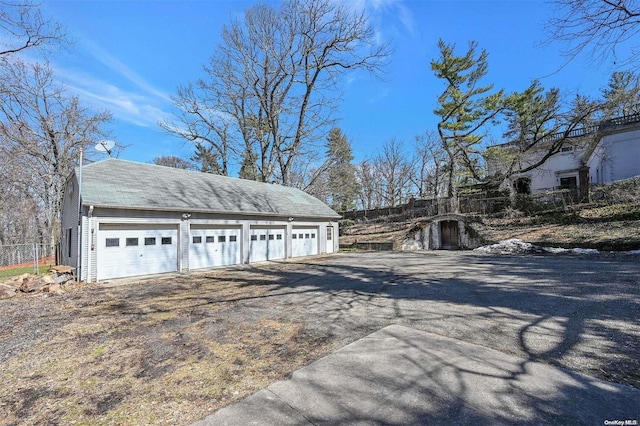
[609, 228]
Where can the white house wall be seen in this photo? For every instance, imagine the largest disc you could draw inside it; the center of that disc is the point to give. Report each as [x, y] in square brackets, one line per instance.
[621, 155]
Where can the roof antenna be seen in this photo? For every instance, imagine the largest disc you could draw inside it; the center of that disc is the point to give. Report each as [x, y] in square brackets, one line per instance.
[105, 146]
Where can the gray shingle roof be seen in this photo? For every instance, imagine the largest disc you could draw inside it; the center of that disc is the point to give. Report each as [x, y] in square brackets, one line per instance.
[124, 184]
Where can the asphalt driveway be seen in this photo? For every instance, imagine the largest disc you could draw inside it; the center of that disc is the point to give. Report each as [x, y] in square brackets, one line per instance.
[173, 349]
[577, 312]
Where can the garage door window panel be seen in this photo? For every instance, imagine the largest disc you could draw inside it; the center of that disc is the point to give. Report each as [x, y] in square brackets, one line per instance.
[132, 242]
[150, 241]
[166, 240]
[112, 242]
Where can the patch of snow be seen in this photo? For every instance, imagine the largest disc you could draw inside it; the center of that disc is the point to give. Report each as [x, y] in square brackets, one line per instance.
[511, 246]
[584, 251]
[516, 246]
[631, 252]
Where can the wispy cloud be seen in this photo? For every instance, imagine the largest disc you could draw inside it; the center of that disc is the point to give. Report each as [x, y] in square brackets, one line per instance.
[141, 109]
[386, 15]
[120, 90]
[121, 69]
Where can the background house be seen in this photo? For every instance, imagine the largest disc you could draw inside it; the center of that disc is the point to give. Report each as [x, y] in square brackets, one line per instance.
[601, 154]
[617, 154]
[138, 219]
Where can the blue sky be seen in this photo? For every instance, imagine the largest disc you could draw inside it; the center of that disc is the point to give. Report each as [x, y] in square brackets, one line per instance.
[130, 56]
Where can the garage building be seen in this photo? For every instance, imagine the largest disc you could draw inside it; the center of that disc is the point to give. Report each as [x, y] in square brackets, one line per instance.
[139, 219]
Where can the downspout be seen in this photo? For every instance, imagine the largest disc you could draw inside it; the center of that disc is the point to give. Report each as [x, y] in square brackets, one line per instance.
[89, 243]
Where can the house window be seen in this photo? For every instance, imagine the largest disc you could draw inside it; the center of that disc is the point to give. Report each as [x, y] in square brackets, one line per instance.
[69, 242]
[150, 241]
[132, 242]
[271, 236]
[112, 242]
[222, 238]
[254, 238]
[197, 240]
[166, 240]
[329, 233]
[569, 182]
[211, 239]
[566, 149]
[232, 238]
[522, 186]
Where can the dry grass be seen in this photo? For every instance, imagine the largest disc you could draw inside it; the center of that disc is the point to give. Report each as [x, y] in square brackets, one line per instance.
[170, 353]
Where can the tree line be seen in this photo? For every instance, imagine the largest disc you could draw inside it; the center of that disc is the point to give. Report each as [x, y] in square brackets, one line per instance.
[265, 109]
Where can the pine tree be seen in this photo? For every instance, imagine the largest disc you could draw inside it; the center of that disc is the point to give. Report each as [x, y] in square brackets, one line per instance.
[342, 183]
[464, 108]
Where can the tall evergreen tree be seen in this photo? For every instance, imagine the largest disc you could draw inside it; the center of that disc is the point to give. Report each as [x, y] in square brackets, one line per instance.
[622, 95]
[248, 169]
[464, 108]
[342, 183]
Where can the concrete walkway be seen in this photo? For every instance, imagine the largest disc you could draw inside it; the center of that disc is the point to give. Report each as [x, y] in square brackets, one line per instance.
[401, 376]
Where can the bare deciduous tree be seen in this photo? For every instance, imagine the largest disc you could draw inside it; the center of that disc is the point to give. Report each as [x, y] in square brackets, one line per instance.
[275, 78]
[395, 173]
[430, 165]
[42, 130]
[598, 26]
[22, 27]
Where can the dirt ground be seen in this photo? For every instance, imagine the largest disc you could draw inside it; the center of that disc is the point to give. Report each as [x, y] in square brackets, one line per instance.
[172, 350]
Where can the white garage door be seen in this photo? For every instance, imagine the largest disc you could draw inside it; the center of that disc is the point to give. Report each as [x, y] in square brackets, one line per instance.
[214, 247]
[266, 244]
[129, 250]
[304, 242]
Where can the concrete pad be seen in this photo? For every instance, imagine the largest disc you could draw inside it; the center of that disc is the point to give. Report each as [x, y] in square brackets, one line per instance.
[400, 376]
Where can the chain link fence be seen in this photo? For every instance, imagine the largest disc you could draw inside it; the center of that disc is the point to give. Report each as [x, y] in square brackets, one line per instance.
[18, 259]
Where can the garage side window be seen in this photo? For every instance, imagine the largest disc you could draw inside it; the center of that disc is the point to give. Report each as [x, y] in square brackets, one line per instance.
[329, 233]
[132, 242]
[197, 240]
[112, 242]
[150, 241]
[166, 240]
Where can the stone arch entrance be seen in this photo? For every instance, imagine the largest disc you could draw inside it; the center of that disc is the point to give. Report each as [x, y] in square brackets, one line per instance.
[446, 232]
[449, 235]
